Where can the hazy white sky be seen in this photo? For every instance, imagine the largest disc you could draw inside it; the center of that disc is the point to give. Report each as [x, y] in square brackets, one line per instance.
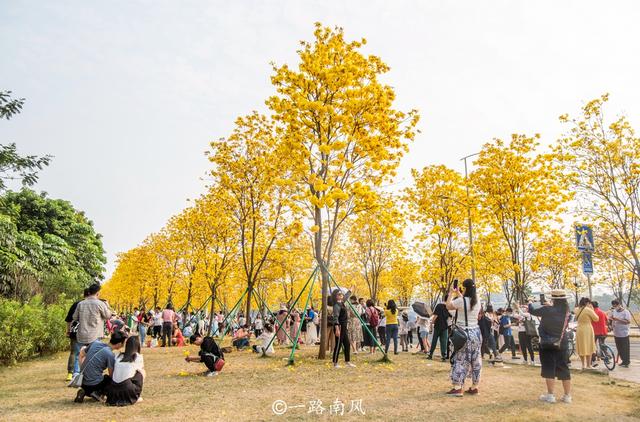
[126, 95]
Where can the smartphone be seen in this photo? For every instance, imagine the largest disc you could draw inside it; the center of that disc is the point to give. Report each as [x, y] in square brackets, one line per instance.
[542, 298]
[455, 284]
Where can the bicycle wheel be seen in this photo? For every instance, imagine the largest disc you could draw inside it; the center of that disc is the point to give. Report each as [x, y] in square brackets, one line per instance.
[608, 357]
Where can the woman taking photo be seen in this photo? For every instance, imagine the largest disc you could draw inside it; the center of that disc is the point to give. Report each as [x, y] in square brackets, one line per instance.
[585, 337]
[468, 358]
[391, 317]
[128, 374]
[553, 344]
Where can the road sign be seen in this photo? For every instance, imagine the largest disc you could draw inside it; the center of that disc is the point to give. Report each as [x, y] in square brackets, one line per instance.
[584, 238]
[587, 263]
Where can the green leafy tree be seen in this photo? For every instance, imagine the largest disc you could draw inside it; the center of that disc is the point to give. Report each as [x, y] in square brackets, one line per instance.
[13, 166]
[46, 247]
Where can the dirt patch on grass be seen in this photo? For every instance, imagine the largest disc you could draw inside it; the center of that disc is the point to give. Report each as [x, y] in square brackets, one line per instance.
[409, 388]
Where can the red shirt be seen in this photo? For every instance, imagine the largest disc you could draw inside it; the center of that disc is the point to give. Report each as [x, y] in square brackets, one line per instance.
[600, 327]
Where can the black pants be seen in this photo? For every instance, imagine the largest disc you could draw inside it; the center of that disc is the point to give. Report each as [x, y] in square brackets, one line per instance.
[209, 361]
[599, 342]
[167, 331]
[509, 343]
[525, 345]
[382, 333]
[343, 341]
[157, 331]
[442, 335]
[98, 388]
[410, 337]
[623, 346]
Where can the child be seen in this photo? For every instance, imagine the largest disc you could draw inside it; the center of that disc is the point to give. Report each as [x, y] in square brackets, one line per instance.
[209, 353]
[404, 331]
[423, 330]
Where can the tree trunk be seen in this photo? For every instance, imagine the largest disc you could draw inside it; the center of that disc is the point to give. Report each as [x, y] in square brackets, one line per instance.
[322, 352]
[211, 308]
[248, 305]
[325, 309]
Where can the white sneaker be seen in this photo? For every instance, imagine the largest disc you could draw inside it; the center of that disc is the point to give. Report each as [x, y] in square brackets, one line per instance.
[335, 365]
[566, 399]
[212, 374]
[548, 398]
[350, 365]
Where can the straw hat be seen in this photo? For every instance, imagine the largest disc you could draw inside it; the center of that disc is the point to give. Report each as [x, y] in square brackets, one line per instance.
[558, 294]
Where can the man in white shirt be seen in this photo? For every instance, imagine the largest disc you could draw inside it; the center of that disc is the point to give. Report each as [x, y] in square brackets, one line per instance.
[621, 321]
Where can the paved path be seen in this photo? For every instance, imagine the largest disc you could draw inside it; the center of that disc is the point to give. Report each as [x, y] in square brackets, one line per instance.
[632, 373]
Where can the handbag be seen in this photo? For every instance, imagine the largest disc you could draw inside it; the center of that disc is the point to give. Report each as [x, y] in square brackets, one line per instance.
[219, 364]
[530, 328]
[459, 335]
[76, 382]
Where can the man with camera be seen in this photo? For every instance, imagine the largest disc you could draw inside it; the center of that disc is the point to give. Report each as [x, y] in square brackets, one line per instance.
[621, 322]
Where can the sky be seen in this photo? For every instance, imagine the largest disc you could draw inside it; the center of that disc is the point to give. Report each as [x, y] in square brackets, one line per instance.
[127, 95]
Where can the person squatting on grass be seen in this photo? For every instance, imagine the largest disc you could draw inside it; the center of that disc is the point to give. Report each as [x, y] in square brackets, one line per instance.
[125, 387]
[554, 344]
[94, 359]
[468, 359]
[209, 354]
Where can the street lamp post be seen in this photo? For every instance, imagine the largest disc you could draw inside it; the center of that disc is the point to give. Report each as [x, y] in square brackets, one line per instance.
[466, 182]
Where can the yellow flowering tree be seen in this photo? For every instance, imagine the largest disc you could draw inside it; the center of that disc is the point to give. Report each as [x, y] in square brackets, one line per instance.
[251, 167]
[603, 158]
[341, 132]
[374, 236]
[437, 205]
[520, 192]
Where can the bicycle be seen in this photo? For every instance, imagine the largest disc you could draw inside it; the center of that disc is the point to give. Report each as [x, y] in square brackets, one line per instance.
[605, 353]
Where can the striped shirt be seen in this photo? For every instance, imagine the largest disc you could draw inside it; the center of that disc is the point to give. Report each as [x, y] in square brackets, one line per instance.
[91, 315]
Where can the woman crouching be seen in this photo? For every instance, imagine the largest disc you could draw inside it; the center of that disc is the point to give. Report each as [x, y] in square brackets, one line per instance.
[128, 374]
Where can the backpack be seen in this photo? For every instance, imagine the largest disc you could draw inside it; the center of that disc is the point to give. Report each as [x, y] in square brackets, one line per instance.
[374, 317]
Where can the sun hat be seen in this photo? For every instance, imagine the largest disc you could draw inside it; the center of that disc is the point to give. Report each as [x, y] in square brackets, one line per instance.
[558, 294]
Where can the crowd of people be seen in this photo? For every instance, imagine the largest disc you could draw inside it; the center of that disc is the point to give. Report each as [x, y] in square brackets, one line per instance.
[465, 329]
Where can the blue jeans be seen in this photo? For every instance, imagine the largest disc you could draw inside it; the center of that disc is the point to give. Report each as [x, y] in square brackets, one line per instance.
[142, 333]
[391, 332]
[76, 351]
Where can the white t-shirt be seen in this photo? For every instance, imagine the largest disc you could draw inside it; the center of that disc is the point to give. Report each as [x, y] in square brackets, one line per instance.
[266, 338]
[257, 324]
[422, 323]
[126, 370]
[620, 329]
[472, 313]
[157, 319]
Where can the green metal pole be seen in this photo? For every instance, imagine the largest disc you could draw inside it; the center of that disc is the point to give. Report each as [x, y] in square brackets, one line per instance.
[233, 311]
[199, 309]
[304, 312]
[264, 304]
[291, 307]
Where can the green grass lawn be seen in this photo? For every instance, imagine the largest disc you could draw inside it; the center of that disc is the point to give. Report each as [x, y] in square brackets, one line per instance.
[410, 388]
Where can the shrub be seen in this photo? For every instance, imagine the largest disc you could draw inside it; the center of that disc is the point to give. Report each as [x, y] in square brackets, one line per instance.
[31, 329]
